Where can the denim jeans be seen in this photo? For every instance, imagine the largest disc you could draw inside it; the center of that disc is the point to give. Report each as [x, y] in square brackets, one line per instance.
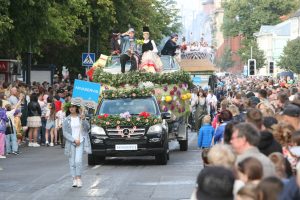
[75, 159]
[11, 143]
[43, 131]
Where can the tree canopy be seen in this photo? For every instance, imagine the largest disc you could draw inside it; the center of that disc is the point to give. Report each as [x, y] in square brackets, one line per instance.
[56, 31]
[245, 17]
[291, 56]
[226, 62]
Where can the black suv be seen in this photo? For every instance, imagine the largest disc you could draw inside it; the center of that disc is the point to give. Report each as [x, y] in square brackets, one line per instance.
[130, 140]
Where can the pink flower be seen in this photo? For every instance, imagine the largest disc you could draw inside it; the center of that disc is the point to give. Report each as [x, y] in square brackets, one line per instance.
[105, 115]
[107, 123]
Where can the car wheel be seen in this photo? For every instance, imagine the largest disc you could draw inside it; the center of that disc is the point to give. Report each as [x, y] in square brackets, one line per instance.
[184, 143]
[162, 158]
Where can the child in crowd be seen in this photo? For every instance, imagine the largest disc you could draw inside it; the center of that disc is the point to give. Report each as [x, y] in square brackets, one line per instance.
[60, 116]
[11, 136]
[206, 133]
[18, 125]
[50, 126]
[3, 120]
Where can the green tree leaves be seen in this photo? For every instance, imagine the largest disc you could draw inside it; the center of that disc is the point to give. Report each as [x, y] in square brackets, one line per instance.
[291, 56]
[245, 17]
[226, 61]
[57, 30]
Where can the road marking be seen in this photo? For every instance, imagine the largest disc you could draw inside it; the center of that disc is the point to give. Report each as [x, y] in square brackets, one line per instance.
[166, 183]
[96, 167]
[96, 182]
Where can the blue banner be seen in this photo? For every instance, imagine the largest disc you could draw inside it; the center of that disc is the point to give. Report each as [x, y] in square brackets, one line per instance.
[197, 80]
[86, 93]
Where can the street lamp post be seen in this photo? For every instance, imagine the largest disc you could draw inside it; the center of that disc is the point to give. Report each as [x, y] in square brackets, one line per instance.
[28, 71]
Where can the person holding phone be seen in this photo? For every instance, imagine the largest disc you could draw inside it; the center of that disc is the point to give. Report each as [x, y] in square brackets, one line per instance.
[75, 131]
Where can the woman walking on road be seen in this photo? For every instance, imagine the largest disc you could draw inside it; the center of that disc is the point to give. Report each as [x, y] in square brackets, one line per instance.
[75, 131]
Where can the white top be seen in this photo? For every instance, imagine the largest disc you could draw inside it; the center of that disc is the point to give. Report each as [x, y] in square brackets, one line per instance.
[76, 128]
[60, 116]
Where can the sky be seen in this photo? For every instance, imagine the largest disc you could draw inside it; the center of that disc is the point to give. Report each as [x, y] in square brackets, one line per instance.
[194, 20]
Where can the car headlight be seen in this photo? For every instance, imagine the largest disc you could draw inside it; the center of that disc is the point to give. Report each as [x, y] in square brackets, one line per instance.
[97, 130]
[155, 129]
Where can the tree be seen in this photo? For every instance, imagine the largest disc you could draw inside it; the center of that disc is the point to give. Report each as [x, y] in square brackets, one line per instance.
[291, 56]
[257, 54]
[246, 16]
[5, 21]
[226, 61]
[57, 31]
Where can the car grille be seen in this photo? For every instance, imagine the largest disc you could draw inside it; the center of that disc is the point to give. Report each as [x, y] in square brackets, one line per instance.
[125, 132]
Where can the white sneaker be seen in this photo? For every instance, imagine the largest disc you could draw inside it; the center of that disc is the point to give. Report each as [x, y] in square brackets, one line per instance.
[30, 144]
[79, 183]
[51, 144]
[74, 183]
[2, 156]
[36, 145]
[47, 143]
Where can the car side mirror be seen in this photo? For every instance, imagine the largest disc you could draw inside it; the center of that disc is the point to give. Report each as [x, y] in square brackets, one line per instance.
[166, 115]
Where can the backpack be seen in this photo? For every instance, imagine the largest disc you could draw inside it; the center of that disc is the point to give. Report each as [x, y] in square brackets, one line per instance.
[9, 127]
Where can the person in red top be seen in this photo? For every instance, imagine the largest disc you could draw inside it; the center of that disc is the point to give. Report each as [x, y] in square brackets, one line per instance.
[57, 103]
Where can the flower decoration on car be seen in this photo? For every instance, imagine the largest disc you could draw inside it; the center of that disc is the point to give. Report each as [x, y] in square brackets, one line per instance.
[127, 120]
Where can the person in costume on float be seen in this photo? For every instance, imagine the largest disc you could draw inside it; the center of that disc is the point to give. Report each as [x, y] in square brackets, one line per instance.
[128, 50]
[150, 60]
[171, 46]
[115, 43]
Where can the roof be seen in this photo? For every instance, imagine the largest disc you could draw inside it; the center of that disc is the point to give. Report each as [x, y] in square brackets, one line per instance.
[296, 14]
[281, 29]
[266, 29]
[197, 65]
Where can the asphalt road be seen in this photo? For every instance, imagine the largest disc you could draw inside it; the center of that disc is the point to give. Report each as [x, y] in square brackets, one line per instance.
[43, 174]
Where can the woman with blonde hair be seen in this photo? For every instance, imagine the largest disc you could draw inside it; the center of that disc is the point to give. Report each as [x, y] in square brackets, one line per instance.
[283, 134]
[221, 155]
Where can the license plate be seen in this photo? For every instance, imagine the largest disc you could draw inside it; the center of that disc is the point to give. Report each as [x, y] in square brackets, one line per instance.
[124, 147]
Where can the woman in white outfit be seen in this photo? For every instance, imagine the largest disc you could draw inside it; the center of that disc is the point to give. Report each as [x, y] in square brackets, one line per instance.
[75, 131]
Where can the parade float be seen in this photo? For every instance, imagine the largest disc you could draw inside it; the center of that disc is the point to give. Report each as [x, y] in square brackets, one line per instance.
[119, 120]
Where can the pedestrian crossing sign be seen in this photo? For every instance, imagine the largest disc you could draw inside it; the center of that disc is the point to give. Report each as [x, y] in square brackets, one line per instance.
[88, 59]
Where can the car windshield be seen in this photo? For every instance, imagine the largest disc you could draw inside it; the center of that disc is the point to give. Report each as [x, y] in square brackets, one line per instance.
[133, 106]
[169, 63]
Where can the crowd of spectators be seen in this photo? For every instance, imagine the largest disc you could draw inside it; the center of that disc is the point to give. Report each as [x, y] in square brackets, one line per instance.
[31, 115]
[251, 145]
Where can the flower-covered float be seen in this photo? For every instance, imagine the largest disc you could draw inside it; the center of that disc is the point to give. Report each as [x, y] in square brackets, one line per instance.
[139, 113]
[170, 89]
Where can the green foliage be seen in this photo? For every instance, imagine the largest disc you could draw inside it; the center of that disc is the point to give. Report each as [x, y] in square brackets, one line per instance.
[245, 53]
[57, 31]
[135, 77]
[291, 56]
[246, 16]
[107, 121]
[5, 21]
[129, 93]
[226, 61]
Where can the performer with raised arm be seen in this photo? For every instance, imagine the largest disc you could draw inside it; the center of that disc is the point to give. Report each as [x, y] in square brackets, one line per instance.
[128, 50]
[150, 60]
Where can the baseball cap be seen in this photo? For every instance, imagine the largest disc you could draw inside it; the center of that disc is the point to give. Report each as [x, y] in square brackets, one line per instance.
[215, 183]
[130, 30]
[291, 110]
